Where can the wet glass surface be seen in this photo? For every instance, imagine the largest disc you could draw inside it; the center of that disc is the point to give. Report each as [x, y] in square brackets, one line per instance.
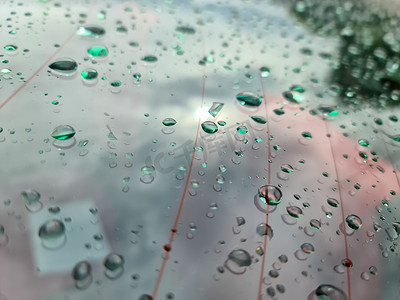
[199, 150]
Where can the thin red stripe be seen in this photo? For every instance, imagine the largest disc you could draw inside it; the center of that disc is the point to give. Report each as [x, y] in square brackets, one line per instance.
[342, 209]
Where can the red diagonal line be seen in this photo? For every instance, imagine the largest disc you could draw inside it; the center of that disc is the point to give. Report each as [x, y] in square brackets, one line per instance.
[341, 207]
[45, 63]
[260, 283]
[174, 228]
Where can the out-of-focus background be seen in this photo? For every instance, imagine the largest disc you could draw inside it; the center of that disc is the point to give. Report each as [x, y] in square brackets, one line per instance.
[137, 138]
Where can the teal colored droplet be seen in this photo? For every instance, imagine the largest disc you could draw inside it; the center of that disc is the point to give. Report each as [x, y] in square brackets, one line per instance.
[307, 135]
[169, 122]
[91, 31]
[292, 96]
[264, 72]
[186, 29]
[209, 127]
[242, 129]
[297, 88]
[10, 47]
[249, 99]
[64, 66]
[259, 119]
[116, 83]
[98, 51]
[89, 74]
[63, 132]
[149, 58]
[363, 142]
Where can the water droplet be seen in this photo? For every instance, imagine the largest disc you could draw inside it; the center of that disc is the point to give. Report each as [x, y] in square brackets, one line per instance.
[331, 292]
[242, 129]
[82, 275]
[114, 264]
[237, 261]
[287, 168]
[209, 127]
[333, 202]
[270, 194]
[354, 222]
[315, 223]
[98, 51]
[307, 248]
[145, 297]
[264, 72]
[373, 270]
[307, 135]
[363, 142]
[52, 234]
[149, 58]
[328, 111]
[63, 132]
[347, 263]
[283, 258]
[89, 74]
[215, 108]
[32, 200]
[240, 221]
[169, 122]
[185, 29]
[365, 276]
[259, 119]
[249, 99]
[3, 237]
[264, 229]
[91, 31]
[293, 96]
[294, 211]
[10, 47]
[63, 66]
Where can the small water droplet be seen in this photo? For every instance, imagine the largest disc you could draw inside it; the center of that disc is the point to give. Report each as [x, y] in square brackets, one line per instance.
[307, 248]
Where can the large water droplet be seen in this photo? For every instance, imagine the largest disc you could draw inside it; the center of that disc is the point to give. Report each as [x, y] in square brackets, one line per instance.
[114, 264]
[330, 292]
[52, 234]
[91, 31]
[270, 194]
[82, 274]
[209, 127]
[249, 99]
[333, 202]
[354, 222]
[63, 132]
[63, 66]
